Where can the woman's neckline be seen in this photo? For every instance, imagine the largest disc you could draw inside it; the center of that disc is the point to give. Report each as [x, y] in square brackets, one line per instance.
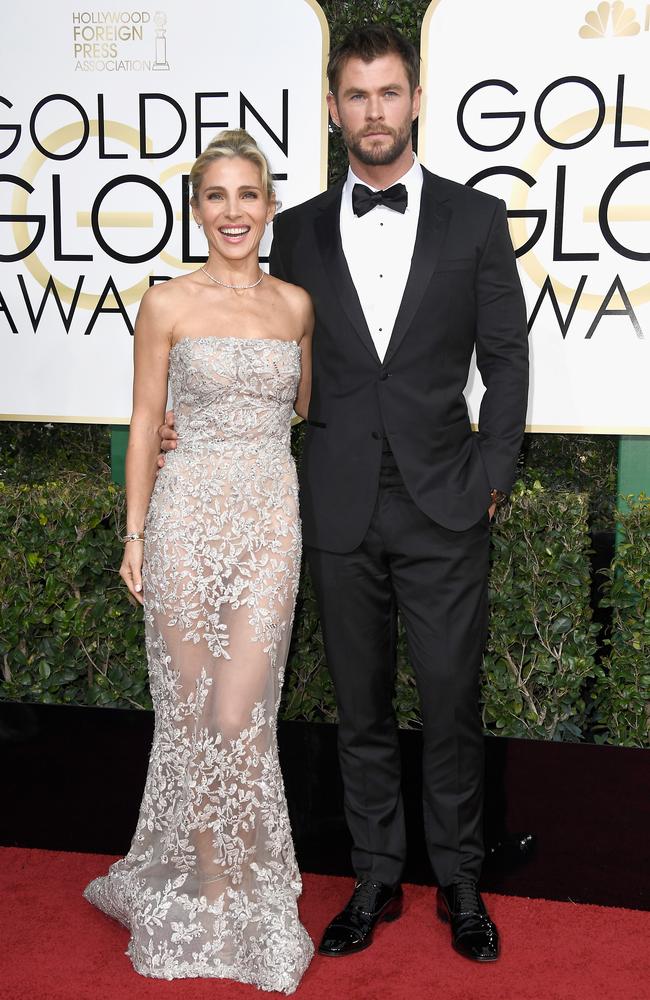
[243, 340]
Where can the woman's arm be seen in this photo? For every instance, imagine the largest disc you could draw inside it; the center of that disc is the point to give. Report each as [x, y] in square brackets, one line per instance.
[301, 404]
[151, 361]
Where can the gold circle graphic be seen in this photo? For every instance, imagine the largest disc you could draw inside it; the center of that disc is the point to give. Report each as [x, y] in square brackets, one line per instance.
[33, 163]
[530, 262]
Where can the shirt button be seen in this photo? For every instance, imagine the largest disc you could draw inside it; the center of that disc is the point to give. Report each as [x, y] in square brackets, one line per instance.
[381, 276]
[381, 329]
[376, 435]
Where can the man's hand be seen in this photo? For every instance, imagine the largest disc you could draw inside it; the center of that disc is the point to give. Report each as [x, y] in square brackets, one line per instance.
[168, 437]
[498, 497]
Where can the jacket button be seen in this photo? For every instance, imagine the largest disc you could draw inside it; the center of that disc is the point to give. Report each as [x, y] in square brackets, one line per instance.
[383, 376]
[376, 435]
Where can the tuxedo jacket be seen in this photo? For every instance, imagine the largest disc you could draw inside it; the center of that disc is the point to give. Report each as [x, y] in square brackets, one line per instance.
[462, 294]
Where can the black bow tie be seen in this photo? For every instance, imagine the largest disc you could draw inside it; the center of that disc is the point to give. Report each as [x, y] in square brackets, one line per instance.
[364, 200]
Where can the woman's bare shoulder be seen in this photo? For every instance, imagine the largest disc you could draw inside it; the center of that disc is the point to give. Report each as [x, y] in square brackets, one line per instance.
[170, 295]
[295, 297]
[298, 305]
[164, 304]
[170, 289]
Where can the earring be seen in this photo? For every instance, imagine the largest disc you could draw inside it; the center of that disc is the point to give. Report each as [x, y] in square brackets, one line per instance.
[198, 225]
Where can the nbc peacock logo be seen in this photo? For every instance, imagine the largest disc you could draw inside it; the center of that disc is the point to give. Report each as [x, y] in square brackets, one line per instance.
[610, 19]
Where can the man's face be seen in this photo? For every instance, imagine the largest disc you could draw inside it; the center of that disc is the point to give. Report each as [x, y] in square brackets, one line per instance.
[375, 108]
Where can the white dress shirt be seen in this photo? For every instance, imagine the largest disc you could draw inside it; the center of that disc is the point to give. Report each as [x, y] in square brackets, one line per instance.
[378, 248]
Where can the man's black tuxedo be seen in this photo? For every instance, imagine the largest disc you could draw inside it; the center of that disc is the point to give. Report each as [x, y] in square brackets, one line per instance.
[463, 292]
[395, 488]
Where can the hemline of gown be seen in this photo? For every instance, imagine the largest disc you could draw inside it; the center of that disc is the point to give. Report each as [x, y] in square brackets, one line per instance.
[98, 894]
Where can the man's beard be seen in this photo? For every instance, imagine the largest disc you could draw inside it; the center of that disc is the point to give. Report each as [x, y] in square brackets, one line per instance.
[378, 155]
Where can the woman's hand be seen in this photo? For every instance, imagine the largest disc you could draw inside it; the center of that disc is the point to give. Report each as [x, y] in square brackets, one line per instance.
[131, 568]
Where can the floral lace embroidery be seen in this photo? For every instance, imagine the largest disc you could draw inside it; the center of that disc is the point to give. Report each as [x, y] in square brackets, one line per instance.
[209, 886]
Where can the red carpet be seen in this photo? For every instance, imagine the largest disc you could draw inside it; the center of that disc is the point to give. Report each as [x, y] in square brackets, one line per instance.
[54, 946]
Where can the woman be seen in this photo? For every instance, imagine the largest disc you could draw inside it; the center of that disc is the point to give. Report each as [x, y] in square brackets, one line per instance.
[212, 549]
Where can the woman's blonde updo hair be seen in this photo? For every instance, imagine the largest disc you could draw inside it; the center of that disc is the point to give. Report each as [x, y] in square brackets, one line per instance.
[231, 143]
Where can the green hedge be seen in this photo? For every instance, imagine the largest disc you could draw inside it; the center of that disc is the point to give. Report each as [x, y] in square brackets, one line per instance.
[40, 453]
[540, 656]
[578, 463]
[622, 691]
[69, 634]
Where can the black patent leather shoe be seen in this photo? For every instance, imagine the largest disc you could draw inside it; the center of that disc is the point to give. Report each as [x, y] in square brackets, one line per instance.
[473, 935]
[353, 928]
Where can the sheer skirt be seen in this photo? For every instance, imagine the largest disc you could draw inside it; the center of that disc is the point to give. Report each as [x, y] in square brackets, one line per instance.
[209, 886]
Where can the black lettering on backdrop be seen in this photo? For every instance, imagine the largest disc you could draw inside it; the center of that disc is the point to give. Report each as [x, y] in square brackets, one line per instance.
[558, 232]
[186, 222]
[56, 224]
[618, 120]
[77, 124]
[547, 289]
[537, 115]
[199, 123]
[142, 107]
[603, 212]
[38, 219]
[119, 307]
[4, 308]
[82, 116]
[99, 236]
[559, 251]
[16, 129]
[245, 105]
[627, 310]
[101, 134]
[600, 100]
[51, 289]
[519, 115]
[35, 309]
[246, 108]
[516, 213]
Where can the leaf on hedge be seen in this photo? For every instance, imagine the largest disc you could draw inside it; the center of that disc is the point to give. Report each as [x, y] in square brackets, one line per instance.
[561, 625]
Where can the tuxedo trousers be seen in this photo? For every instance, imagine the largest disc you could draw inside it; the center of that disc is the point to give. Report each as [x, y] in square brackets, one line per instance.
[437, 578]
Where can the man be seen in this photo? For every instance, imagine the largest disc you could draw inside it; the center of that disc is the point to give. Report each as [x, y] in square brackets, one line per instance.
[409, 273]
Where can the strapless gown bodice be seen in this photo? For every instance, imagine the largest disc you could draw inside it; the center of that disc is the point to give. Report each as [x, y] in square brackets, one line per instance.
[231, 392]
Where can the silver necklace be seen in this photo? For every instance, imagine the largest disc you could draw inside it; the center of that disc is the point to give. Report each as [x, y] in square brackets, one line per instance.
[236, 287]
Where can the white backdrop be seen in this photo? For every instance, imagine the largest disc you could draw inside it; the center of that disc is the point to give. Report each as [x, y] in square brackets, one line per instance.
[595, 243]
[74, 83]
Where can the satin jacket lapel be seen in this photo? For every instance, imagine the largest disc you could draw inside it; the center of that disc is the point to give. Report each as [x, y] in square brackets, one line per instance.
[328, 237]
[430, 236]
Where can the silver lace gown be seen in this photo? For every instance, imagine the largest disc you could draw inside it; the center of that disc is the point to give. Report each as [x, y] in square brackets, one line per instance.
[210, 884]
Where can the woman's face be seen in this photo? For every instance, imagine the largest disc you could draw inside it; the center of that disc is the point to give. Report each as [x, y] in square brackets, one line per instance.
[232, 207]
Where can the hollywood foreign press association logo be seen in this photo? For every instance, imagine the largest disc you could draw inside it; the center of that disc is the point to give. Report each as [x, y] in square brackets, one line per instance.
[119, 41]
[610, 19]
[160, 21]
